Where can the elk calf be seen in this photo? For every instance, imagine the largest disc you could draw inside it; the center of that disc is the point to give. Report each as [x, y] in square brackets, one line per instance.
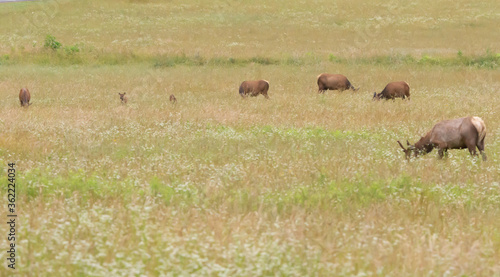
[173, 100]
[394, 90]
[254, 88]
[24, 97]
[123, 97]
[333, 82]
[466, 132]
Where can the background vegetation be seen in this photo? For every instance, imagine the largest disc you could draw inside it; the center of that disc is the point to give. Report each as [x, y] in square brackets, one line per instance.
[301, 184]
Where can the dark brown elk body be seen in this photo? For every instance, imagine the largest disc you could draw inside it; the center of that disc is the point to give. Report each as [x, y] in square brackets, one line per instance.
[24, 97]
[333, 82]
[123, 97]
[173, 100]
[466, 132]
[254, 88]
[394, 90]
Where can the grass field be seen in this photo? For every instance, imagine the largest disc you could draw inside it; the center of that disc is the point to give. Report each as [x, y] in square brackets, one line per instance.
[302, 184]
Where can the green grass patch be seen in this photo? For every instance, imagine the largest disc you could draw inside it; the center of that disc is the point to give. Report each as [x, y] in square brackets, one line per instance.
[489, 60]
[79, 54]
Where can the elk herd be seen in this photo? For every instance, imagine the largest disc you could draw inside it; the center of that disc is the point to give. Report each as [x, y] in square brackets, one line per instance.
[460, 133]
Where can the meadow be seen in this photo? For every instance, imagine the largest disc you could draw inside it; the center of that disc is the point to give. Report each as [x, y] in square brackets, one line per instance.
[302, 184]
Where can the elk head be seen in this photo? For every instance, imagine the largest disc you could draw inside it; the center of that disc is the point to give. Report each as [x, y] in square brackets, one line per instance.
[376, 96]
[407, 150]
[123, 97]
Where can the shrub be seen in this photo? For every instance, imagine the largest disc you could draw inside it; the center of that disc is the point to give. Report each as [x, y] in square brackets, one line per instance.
[332, 58]
[72, 49]
[52, 43]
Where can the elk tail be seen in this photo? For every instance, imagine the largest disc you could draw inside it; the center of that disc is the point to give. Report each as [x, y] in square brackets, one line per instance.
[267, 82]
[480, 127]
[317, 78]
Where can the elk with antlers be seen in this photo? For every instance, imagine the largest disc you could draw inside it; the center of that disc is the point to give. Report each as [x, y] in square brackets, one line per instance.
[460, 133]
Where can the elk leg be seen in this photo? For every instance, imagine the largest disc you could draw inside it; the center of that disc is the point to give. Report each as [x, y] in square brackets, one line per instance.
[471, 145]
[480, 146]
[443, 148]
[472, 150]
[483, 155]
[321, 89]
[441, 153]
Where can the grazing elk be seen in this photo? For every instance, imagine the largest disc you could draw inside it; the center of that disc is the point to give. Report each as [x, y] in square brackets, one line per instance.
[333, 82]
[173, 100]
[254, 88]
[24, 97]
[394, 90]
[466, 132]
[123, 97]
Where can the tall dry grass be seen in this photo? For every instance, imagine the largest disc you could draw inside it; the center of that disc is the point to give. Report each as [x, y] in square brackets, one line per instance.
[320, 175]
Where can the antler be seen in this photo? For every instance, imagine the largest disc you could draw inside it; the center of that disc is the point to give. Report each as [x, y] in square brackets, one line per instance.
[401, 145]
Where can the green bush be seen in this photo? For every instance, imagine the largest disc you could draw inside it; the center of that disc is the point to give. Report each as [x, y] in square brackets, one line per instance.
[72, 49]
[52, 43]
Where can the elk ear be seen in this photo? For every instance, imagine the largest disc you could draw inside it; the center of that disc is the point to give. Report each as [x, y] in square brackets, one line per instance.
[407, 142]
[374, 94]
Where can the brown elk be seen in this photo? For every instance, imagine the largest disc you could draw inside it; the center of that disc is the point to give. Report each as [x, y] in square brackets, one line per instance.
[123, 97]
[460, 133]
[24, 97]
[394, 90]
[254, 88]
[173, 100]
[333, 82]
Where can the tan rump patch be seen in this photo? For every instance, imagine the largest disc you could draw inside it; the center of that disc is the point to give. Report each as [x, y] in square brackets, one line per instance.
[480, 127]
